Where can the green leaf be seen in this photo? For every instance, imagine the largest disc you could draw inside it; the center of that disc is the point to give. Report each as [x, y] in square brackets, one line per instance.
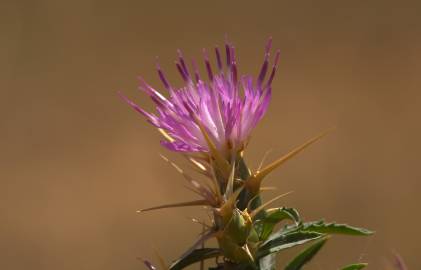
[243, 170]
[283, 241]
[305, 256]
[196, 255]
[268, 262]
[334, 228]
[356, 266]
[274, 216]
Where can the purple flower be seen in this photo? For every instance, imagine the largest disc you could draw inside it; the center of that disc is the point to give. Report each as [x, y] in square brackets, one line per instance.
[222, 110]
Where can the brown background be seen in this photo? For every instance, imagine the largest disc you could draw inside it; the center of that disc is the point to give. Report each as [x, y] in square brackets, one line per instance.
[76, 162]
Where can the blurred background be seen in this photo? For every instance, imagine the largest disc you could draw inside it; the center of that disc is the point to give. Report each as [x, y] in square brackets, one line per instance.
[76, 162]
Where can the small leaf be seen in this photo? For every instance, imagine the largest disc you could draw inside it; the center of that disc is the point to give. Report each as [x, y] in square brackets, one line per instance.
[195, 256]
[356, 266]
[273, 217]
[304, 257]
[334, 228]
[284, 241]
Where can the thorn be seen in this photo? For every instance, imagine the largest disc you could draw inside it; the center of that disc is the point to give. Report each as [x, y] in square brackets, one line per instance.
[173, 205]
[268, 188]
[255, 180]
[263, 159]
[260, 208]
[230, 183]
[166, 135]
[222, 163]
[161, 260]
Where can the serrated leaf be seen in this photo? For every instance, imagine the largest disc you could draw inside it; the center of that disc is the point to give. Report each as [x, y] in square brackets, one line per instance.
[356, 266]
[285, 241]
[195, 256]
[273, 217]
[305, 256]
[334, 228]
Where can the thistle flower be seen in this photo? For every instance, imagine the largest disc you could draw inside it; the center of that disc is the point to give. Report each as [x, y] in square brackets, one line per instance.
[219, 113]
[210, 122]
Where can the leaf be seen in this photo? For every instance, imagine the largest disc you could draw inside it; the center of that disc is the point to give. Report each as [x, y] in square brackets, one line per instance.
[305, 256]
[195, 256]
[268, 262]
[334, 228]
[273, 217]
[284, 241]
[356, 266]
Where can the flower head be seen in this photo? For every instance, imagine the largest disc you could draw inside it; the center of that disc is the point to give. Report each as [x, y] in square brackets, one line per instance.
[222, 110]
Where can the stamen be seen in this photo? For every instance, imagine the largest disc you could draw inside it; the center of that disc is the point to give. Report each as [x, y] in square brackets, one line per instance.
[181, 71]
[234, 67]
[264, 68]
[218, 58]
[275, 67]
[196, 71]
[263, 71]
[208, 66]
[183, 64]
[228, 51]
[162, 76]
[268, 45]
[233, 54]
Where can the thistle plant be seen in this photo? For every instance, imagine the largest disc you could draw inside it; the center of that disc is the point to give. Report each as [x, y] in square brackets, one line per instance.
[209, 122]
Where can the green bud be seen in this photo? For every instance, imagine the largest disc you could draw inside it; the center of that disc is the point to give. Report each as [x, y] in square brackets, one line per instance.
[239, 226]
[235, 252]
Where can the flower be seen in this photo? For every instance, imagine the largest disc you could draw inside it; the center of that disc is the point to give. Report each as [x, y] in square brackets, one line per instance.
[220, 112]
